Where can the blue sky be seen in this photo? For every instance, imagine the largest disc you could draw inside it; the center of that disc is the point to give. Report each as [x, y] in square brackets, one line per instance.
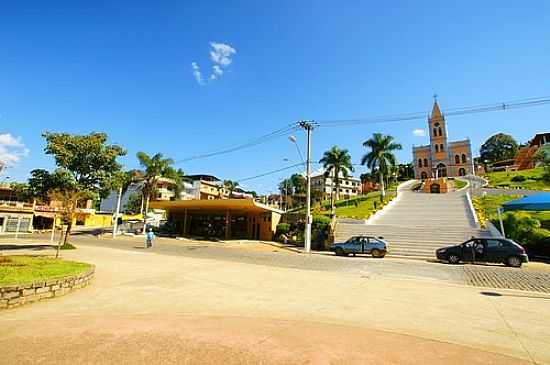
[125, 68]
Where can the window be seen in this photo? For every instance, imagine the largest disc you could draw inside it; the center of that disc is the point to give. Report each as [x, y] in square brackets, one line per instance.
[419, 162]
[463, 158]
[436, 148]
[435, 132]
[441, 147]
[426, 162]
[457, 159]
[440, 132]
[493, 243]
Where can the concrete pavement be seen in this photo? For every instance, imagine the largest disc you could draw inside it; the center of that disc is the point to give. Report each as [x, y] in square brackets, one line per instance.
[149, 307]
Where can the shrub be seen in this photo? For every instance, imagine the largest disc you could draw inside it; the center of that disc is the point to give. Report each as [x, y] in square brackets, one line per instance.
[320, 222]
[523, 228]
[282, 228]
[518, 178]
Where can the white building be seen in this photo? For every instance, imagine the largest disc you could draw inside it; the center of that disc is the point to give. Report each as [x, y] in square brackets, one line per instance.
[349, 186]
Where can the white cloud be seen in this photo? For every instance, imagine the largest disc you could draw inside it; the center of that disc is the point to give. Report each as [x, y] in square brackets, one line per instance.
[11, 149]
[197, 73]
[419, 132]
[216, 72]
[222, 53]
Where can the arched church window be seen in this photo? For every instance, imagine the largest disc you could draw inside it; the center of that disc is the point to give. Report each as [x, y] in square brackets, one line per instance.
[419, 162]
[425, 162]
[463, 158]
[436, 148]
[457, 159]
[440, 132]
[435, 132]
[441, 147]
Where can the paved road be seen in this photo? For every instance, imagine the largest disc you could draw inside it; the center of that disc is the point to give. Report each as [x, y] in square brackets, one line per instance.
[148, 306]
[490, 276]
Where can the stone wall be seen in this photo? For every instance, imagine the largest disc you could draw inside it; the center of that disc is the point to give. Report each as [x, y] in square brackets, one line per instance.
[16, 295]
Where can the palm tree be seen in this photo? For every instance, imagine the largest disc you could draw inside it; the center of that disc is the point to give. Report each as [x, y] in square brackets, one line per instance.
[337, 162]
[381, 156]
[230, 186]
[155, 167]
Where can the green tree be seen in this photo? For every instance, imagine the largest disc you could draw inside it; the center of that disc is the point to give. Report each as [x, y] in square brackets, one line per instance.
[21, 191]
[380, 157]
[298, 183]
[155, 166]
[134, 203]
[87, 167]
[497, 148]
[336, 162]
[230, 185]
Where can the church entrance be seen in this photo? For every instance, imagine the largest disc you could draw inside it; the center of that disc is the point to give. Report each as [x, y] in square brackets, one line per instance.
[435, 189]
[441, 170]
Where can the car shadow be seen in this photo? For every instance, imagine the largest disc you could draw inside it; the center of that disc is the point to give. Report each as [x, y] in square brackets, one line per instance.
[495, 294]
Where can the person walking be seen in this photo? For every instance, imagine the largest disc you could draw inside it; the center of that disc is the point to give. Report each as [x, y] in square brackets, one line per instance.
[149, 238]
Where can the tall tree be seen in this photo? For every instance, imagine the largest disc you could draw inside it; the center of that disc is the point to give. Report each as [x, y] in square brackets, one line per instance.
[336, 162]
[497, 148]
[87, 167]
[381, 156]
[155, 166]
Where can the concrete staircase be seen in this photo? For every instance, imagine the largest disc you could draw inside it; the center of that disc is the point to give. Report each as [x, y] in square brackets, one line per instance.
[417, 223]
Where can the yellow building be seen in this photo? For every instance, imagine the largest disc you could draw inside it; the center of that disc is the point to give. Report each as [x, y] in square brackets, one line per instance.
[222, 218]
[441, 158]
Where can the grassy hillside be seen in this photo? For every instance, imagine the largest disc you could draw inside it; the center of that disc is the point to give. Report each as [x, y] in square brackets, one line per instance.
[524, 179]
[360, 207]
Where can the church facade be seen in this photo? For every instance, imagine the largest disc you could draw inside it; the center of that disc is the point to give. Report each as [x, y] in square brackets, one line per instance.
[441, 158]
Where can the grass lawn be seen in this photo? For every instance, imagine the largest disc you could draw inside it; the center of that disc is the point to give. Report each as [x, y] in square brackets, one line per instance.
[360, 207]
[533, 180]
[459, 184]
[28, 269]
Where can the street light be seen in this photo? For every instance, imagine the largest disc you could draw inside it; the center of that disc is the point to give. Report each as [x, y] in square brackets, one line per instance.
[292, 139]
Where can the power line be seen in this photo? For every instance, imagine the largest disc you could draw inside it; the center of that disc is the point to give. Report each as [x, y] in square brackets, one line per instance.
[514, 104]
[270, 172]
[253, 142]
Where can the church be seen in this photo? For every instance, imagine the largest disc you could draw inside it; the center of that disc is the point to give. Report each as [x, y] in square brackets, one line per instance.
[441, 158]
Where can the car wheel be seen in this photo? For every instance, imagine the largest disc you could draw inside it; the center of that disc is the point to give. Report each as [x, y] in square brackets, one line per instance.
[513, 261]
[376, 253]
[339, 251]
[453, 259]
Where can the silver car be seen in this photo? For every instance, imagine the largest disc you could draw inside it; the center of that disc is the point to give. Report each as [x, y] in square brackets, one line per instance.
[375, 246]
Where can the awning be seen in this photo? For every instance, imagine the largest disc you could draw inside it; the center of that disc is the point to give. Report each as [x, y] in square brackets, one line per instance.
[216, 204]
[536, 202]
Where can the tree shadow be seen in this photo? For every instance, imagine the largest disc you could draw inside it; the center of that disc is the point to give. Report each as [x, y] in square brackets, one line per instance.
[36, 247]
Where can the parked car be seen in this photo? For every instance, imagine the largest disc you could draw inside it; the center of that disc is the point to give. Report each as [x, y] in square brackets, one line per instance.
[539, 250]
[499, 250]
[375, 246]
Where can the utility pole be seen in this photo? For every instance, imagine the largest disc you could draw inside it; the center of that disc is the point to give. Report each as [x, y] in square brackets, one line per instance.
[115, 223]
[308, 126]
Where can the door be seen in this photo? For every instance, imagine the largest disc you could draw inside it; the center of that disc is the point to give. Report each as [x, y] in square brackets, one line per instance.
[497, 250]
[468, 251]
[354, 245]
[435, 188]
[370, 243]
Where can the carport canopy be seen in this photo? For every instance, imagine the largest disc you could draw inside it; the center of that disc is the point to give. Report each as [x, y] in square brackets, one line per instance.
[536, 202]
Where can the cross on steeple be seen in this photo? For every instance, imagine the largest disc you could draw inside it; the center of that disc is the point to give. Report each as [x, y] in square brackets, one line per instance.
[435, 98]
